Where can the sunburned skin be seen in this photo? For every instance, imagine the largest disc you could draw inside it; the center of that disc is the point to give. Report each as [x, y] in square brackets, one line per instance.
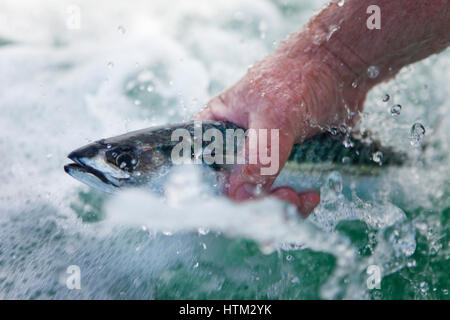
[317, 78]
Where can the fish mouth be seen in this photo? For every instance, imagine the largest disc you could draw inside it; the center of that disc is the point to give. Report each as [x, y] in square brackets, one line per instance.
[74, 168]
[89, 175]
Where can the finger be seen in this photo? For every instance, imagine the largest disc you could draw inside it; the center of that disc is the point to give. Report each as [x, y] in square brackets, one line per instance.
[217, 110]
[305, 201]
[249, 180]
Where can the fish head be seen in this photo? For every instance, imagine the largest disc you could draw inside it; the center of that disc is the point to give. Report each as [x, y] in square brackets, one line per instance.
[118, 162]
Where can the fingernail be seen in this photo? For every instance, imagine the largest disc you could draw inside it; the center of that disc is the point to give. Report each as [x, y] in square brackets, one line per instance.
[244, 192]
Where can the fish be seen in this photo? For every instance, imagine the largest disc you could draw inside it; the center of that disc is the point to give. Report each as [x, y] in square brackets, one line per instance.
[139, 158]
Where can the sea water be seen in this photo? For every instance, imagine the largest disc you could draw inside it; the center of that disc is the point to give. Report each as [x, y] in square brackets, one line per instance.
[74, 71]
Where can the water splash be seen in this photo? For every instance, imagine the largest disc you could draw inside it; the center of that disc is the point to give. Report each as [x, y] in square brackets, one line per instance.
[417, 134]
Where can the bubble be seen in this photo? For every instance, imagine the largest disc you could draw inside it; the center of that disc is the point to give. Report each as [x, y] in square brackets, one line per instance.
[416, 134]
[348, 143]
[150, 88]
[341, 3]
[331, 30]
[289, 257]
[334, 131]
[346, 160]
[110, 65]
[137, 102]
[121, 29]
[203, 231]
[377, 157]
[386, 97]
[373, 72]
[355, 84]
[335, 182]
[395, 110]
[423, 287]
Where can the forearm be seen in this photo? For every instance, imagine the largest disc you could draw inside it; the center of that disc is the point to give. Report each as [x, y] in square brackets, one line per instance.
[410, 31]
[317, 77]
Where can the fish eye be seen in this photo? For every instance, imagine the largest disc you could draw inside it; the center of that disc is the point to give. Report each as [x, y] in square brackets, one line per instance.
[126, 161]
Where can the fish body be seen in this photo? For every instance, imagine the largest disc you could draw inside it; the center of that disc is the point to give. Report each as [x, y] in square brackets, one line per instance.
[140, 158]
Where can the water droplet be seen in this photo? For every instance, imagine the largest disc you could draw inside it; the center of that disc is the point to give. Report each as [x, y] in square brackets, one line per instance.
[150, 88]
[331, 30]
[416, 134]
[377, 157]
[386, 97]
[341, 3]
[411, 264]
[423, 287]
[110, 65]
[258, 189]
[334, 131]
[348, 143]
[121, 29]
[373, 72]
[137, 102]
[335, 182]
[203, 231]
[196, 265]
[355, 84]
[395, 110]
